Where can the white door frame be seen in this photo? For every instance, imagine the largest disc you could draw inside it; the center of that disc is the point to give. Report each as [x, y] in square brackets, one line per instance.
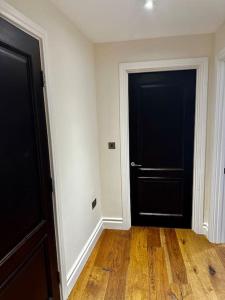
[201, 65]
[217, 207]
[13, 16]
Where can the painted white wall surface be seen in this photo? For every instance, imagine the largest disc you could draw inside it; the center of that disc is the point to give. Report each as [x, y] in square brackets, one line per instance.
[73, 124]
[108, 57]
[220, 39]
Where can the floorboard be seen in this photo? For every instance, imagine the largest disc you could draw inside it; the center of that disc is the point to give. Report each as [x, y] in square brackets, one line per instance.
[155, 264]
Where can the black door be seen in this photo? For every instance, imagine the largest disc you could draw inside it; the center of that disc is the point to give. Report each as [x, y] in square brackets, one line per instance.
[162, 115]
[28, 264]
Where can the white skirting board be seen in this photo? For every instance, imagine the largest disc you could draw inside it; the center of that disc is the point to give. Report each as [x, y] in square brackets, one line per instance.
[104, 223]
[113, 223]
[83, 257]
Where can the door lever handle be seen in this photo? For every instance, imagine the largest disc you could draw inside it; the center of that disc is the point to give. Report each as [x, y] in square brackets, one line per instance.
[135, 165]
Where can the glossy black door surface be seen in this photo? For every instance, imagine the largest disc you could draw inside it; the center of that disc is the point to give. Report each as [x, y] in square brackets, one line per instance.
[28, 264]
[162, 115]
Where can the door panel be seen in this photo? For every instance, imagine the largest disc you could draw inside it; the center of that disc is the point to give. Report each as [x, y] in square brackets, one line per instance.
[18, 157]
[162, 114]
[162, 190]
[28, 263]
[31, 279]
[166, 150]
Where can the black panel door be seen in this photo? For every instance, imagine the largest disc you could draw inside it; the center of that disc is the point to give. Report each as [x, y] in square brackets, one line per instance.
[162, 115]
[28, 264]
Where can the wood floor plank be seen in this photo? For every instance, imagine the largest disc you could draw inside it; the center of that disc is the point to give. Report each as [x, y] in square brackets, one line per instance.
[117, 276]
[176, 258]
[167, 259]
[81, 283]
[158, 278]
[104, 258]
[137, 283]
[153, 264]
[217, 273]
[159, 284]
[153, 236]
[179, 286]
[97, 284]
[196, 262]
[221, 253]
[98, 280]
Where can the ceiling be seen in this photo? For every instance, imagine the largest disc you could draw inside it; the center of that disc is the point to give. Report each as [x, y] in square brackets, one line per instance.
[119, 20]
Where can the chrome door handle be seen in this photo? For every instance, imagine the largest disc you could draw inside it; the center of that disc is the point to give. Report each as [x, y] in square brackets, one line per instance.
[135, 165]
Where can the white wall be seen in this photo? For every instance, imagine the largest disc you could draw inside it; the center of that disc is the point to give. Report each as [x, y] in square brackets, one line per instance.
[73, 125]
[220, 39]
[108, 57]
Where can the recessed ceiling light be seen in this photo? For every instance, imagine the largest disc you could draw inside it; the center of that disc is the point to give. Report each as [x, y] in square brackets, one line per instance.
[149, 4]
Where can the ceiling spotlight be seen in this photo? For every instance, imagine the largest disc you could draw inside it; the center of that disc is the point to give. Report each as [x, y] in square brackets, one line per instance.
[149, 4]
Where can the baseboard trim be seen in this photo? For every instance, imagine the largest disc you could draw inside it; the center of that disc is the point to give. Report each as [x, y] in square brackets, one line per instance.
[77, 267]
[104, 223]
[113, 223]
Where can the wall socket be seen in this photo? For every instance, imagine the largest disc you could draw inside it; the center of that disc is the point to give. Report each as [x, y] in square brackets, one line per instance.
[94, 203]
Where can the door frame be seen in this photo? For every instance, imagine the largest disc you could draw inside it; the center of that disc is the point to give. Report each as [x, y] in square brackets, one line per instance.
[201, 65]
[216, 206]
[19, 20]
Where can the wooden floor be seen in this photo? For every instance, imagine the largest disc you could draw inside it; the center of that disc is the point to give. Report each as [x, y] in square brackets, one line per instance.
[150, 263]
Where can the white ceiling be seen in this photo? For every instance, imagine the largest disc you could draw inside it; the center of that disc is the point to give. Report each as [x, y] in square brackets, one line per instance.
[118, 20]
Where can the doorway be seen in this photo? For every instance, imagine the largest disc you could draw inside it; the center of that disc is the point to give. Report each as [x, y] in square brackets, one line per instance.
[28, 260]
[161, 126]
[201, 67]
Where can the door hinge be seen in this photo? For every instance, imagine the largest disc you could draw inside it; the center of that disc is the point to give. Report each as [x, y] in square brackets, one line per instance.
[42, 79]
